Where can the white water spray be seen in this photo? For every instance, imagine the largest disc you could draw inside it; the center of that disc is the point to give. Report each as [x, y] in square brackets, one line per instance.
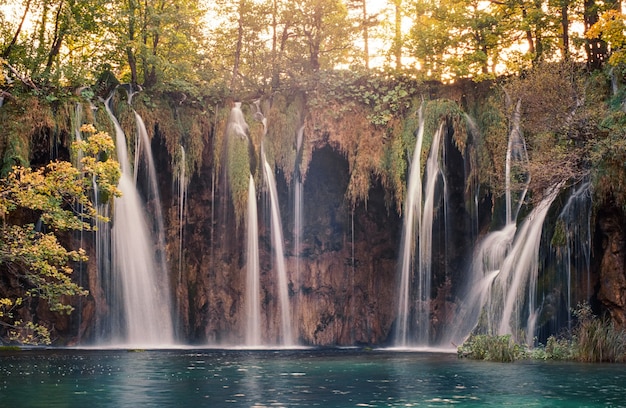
[515, 153]
[145, 301]
[253, 281]
[182, 200]
[277, 240]
[412, 224]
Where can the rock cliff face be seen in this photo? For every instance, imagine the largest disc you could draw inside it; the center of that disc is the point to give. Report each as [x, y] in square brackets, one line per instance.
[342, 281]
[341, 287]
[612, 274]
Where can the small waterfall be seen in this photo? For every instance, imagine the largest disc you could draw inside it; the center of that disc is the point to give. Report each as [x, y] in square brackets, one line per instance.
[571, 249]
[412, 224]
[138, 281]
[516, 284]
[431, 176]
[253, 281]
[277, 240]
[144, 151]
[515, 153]
[181, 178]
[237, 129]
[489, 287]
[298, 203]
[298, 217]
[78, 137]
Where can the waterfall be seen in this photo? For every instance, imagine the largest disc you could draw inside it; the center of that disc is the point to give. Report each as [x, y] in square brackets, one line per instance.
[298, 214]
[515, 152]
[253, 281]
[571, 249]
[423, 307]
[144, 151]
[516, 284]
[138, 279]
[237, 127]
[277, 241]
[411, 225]
[505, 263]
[182, 199]
[298, 203]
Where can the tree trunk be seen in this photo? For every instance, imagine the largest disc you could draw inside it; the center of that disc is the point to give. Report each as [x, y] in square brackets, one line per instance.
[275, 74]
[7, 50]
[233, 82]
[565, 29]
[397, 46]
[59, 34]
[596, 48]
[366, 48]
[132, 60]
[529, 36]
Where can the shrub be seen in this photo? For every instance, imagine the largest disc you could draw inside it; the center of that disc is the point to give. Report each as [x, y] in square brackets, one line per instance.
[494, 348]
[597, 339]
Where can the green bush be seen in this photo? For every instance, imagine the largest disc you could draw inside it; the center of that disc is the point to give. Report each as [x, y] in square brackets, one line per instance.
[556, 348]
[494, 348]
[597, 339]
[593, 339]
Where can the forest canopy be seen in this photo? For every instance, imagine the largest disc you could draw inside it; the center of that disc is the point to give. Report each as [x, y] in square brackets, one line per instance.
[230, 46]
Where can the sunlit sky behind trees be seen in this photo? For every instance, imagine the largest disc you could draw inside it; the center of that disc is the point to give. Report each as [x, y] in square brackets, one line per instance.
[185, 44]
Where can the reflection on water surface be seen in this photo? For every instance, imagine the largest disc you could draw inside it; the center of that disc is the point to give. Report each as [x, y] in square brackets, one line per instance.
[297, 378]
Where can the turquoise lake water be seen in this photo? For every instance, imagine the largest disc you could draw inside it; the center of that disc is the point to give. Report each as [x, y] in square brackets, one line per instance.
[297, 378]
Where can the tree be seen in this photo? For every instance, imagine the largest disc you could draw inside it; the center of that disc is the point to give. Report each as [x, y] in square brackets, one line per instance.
[163, 42]
[364, 22]
[240, 48]
[37, 207]
[397, 34]
[456, 38]
[596, 46]
[611, 27]
[322, 33]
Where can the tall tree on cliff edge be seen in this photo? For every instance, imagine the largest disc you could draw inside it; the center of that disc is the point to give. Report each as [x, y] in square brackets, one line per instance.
[163, 42]
[363, 23]
[238, 41]
[257, 44]
[455, 39]
[68, 41]
[59, 31]
[323, 36]
[596, 47]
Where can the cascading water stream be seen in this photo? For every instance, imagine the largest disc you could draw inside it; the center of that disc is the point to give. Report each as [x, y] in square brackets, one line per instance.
[298, 215]
[571, 245]
[423, 307]
[501, 293]
[142, 285]
[517, 280]
[413, 326]
[515, 153]
[144, 152]
[298, 203]
[237, 128]
[182, 200]
[412, 222]
[253, 280]
[277, 240]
